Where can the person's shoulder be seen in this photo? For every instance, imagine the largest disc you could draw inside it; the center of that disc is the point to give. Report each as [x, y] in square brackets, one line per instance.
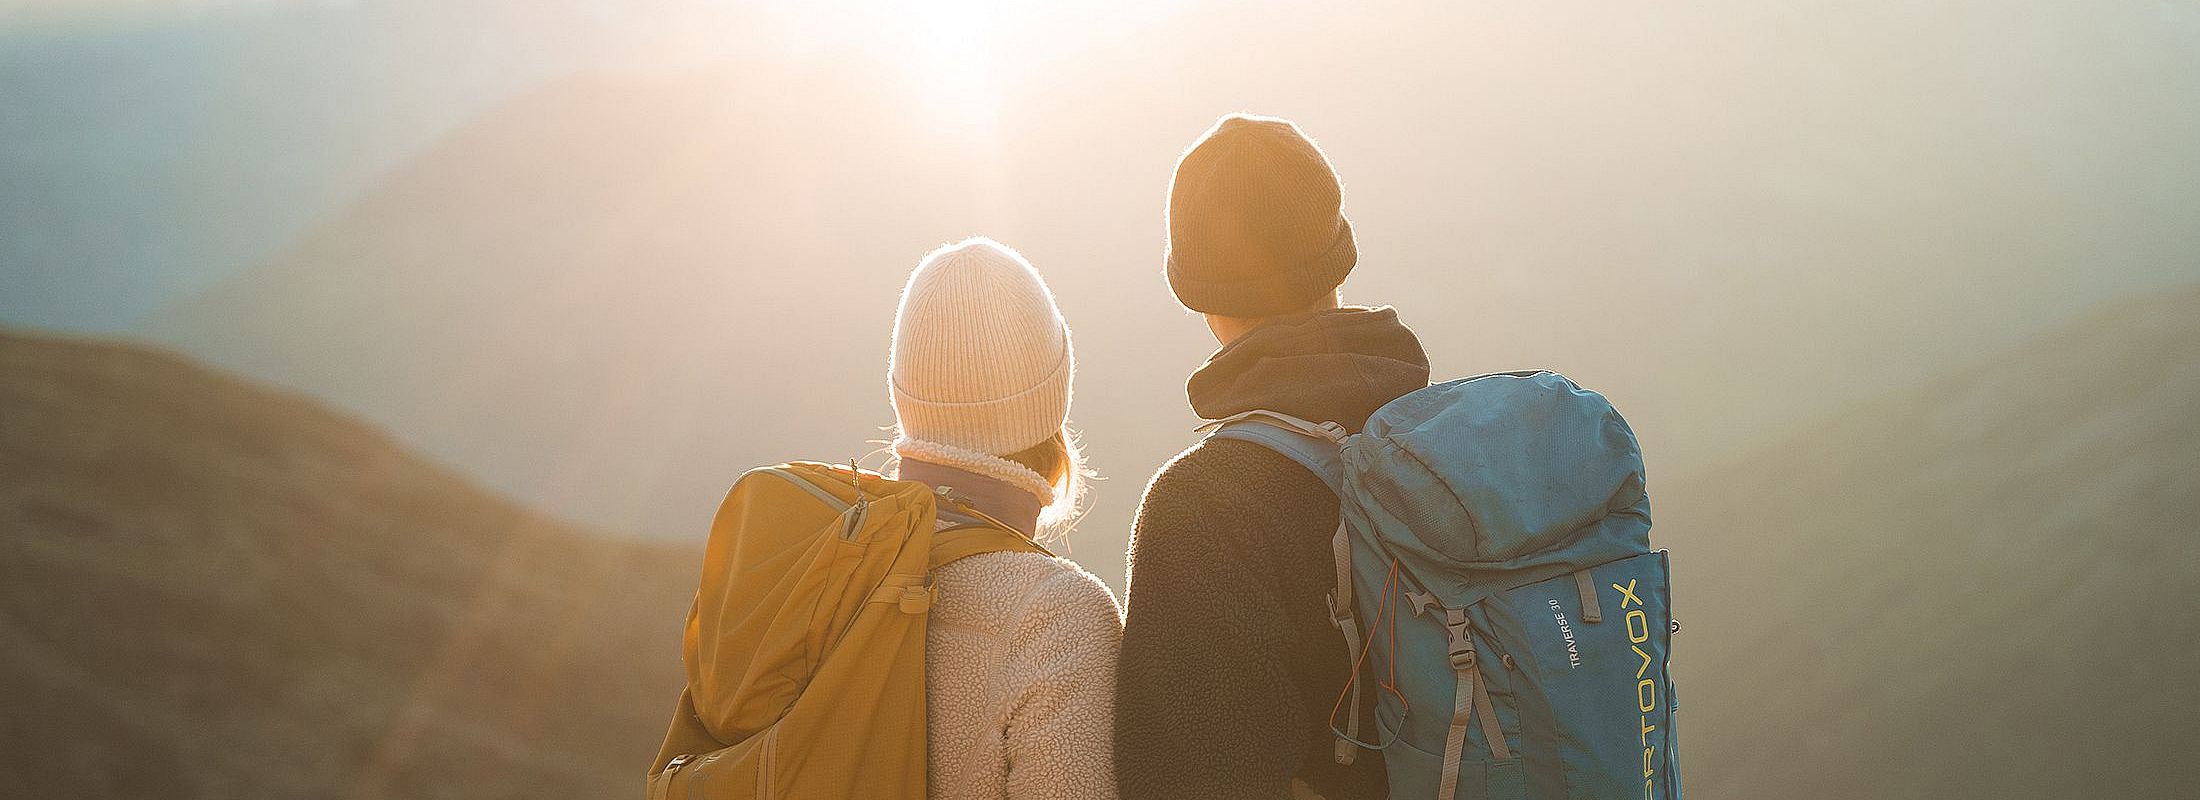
[1060, 603]
[1068, 590]
[1218, 474]
[1019, 585]
[1224, 469]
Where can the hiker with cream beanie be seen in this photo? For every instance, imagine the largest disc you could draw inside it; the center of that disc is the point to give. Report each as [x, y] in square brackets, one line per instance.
[1020, 651]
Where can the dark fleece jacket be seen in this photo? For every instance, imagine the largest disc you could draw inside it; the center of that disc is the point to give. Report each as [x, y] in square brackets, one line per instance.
[1229, 666]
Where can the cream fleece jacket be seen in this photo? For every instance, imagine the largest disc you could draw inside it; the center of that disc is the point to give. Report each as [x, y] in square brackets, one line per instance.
[1020, 672]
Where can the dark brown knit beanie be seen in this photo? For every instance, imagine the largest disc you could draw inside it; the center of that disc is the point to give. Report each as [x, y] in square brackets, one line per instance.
[1254, 224]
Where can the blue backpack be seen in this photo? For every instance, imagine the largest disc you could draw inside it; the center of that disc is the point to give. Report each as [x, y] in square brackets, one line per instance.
[1495, 537]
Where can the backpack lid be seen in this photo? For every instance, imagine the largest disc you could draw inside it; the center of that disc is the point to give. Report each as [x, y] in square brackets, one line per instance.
[1522, 472]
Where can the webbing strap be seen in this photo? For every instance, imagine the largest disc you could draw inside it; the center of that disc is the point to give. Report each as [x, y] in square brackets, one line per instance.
[1345, 748]
[1340, 613]
[1314, 445]
[1340, 552]
[1586, 586]
[1490, 729]
[1455, 741]
[1470, 698]
[964, 541]
[911, 599]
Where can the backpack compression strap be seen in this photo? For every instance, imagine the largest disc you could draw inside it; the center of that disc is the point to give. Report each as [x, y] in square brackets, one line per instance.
[962, 535]
[1313, 446]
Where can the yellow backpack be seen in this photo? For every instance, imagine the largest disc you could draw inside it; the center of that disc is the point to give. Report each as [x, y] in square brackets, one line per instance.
[805, 646]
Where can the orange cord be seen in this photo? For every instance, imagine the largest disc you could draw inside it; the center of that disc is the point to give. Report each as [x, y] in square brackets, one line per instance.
[1386, 606]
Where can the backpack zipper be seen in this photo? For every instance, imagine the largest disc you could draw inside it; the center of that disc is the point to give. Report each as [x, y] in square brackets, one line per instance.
[851, 514]
[829, 498]
[854, 517]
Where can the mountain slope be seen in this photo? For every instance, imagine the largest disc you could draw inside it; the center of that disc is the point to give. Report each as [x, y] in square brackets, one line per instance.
[212, 590]
[1981, 588]
[153, 147]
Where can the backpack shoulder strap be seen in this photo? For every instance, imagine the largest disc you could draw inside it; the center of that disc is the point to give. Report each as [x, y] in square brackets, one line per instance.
[1312, 444]
[961, 536]
[1315, 446]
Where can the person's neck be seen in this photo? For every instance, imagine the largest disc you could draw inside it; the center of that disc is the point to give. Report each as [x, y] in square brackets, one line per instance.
[995, 498]
[1230, 329]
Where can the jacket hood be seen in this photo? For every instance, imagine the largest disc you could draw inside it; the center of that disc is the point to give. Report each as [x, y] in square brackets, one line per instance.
[1335, 365]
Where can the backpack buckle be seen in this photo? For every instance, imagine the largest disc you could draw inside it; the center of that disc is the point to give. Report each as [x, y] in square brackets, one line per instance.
[1422, 601]
[916, 600]
[1462, 646]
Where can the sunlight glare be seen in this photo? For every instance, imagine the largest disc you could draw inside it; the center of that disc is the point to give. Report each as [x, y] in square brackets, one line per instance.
[953, 69]
[946, 57]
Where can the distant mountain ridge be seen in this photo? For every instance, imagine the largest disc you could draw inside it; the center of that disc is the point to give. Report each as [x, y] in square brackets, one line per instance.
[583, 300]
[1982, 587]
[212, 590]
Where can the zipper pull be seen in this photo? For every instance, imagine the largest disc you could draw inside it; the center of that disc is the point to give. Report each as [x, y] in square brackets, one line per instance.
[857, 511]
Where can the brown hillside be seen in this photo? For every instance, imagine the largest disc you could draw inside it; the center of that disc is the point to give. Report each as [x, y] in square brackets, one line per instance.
[1980, 588]
[212, 590]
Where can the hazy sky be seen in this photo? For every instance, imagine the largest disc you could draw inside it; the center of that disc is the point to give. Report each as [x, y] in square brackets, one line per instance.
[1733, 217]
[602, 257]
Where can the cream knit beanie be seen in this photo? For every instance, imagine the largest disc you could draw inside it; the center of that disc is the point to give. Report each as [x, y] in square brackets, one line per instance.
[981, 363]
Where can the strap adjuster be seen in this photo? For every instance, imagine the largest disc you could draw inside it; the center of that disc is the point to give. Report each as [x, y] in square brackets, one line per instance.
[1342, 619]
[1462, 658]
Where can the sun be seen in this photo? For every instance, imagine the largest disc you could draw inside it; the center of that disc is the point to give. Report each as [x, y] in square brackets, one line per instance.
[954, 69]
[944, 55]
[958, 61]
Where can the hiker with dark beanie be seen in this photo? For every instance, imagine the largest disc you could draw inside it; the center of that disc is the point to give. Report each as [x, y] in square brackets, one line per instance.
[1231, 665]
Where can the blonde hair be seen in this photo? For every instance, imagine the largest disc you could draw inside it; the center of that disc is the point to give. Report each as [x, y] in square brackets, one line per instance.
[1061, 462]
